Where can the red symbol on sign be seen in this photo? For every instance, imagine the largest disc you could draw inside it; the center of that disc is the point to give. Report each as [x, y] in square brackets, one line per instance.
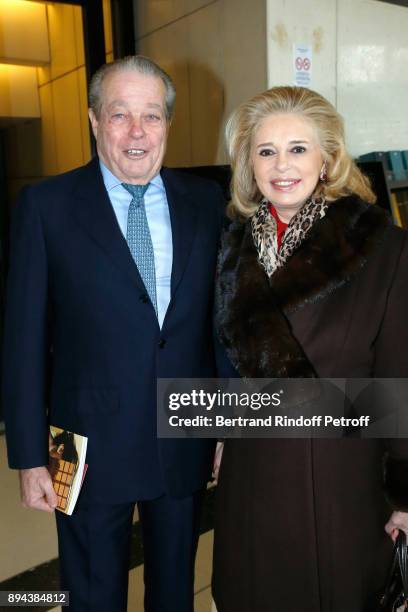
[302, 64]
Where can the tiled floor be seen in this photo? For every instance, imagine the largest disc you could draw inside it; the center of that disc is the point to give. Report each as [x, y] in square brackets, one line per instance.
[28, 539]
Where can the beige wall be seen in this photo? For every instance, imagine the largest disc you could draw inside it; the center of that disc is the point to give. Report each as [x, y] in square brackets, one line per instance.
[216, 53]
[62, 88]
[18, 92]
[221, 52]
[107, 29]
[23, 33]
[59, 141]
[360, 53]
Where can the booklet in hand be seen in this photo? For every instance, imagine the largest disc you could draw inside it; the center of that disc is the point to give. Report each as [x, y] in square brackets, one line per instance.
[67, 452]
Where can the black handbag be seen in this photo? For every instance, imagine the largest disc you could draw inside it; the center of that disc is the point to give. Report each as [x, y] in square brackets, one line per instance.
[395, 596]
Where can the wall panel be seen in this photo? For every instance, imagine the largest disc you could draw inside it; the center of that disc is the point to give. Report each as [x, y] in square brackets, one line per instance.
[150, 15]
[68, 134]
[23, 33]
[48, 143]
[311, 23]
[360, 58]
[19, 93]
[157, 46]
[63, 44]
[206, 76]
[373, 74]
[215, 51]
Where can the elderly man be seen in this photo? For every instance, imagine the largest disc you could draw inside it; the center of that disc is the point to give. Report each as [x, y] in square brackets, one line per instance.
[110, 287]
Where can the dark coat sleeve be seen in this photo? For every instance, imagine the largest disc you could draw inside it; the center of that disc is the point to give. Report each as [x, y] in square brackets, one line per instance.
[391, 361]
[25, 339]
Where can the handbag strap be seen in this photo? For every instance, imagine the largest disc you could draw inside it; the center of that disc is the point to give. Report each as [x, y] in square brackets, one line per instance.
[398, 571]
[402, 555]
[391, 575]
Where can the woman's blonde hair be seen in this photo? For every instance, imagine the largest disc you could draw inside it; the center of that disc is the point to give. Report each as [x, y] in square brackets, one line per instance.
[343, 176]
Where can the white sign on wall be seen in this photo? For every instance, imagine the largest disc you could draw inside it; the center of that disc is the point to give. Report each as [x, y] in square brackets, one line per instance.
[302, 64]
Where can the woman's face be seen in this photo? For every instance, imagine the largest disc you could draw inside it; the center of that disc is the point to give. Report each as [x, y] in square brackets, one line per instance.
[287, 161]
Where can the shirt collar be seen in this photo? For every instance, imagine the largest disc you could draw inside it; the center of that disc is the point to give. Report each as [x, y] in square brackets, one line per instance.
[111, 181]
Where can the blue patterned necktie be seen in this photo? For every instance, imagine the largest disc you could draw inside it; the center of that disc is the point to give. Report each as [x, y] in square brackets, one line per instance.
[139, 239]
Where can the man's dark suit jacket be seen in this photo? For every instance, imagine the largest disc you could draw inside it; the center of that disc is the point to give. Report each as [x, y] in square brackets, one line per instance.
[82, 341]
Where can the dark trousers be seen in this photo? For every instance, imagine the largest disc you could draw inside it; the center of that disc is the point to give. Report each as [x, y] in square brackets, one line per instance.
[94, 547]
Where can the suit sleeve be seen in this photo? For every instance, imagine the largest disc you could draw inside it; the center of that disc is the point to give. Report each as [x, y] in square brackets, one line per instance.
[25, 339]
[391, 361]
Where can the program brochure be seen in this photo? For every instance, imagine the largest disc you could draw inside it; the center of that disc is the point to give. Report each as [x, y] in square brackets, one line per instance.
[67, 453]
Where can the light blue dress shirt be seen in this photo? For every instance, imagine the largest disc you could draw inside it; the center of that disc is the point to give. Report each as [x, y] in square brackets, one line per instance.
[158, 218]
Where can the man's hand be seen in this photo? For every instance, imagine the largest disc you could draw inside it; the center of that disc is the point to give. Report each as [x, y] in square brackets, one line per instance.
[397, 521]
[37, 490]
[217, 461]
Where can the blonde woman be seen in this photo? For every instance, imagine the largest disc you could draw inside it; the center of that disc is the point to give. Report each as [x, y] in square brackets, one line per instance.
[312, 282]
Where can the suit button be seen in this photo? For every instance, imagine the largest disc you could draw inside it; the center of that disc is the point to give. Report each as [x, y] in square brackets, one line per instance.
[144, 298]
[162, 343]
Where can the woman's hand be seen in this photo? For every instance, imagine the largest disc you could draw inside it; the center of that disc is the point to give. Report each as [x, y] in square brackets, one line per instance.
[397, 521]
[217, 461]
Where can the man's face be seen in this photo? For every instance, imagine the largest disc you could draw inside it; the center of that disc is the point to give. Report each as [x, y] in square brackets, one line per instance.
[131, 130]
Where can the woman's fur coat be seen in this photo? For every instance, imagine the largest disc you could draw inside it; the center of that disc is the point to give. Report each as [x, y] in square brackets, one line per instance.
[307, 515]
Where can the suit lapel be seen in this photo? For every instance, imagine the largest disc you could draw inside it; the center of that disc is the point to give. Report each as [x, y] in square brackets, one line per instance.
[94, 212]
[183, 217]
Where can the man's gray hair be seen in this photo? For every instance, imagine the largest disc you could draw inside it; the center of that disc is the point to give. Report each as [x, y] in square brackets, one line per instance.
[140, 64]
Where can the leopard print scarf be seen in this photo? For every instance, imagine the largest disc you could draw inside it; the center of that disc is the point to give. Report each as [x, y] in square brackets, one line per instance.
[264, 232]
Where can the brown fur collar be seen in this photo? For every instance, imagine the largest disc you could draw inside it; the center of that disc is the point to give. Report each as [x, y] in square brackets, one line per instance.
[250, 309]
